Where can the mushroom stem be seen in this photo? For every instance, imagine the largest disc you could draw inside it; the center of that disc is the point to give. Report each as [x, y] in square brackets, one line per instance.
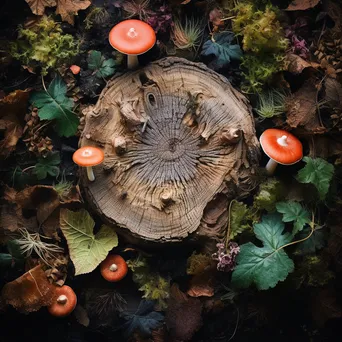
[90, 173]
[271, 166]
[62, 299]
[113, 267]
[132, 61]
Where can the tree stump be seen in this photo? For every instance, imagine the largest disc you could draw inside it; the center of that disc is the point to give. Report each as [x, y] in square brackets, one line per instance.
[179, 142]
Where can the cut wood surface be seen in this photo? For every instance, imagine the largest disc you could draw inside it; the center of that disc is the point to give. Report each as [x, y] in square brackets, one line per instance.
[179, 142]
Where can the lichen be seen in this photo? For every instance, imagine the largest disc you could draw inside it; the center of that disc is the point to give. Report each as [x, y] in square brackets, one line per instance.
[44, 45]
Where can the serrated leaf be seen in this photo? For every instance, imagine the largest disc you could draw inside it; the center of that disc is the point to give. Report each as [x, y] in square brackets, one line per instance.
[222, 48]
[86, 249]
[47, 166]
[264, 266]
[144, 320]
[53, 104]
[238, 219]
[317, 172]
[103, 67]
[293, 211]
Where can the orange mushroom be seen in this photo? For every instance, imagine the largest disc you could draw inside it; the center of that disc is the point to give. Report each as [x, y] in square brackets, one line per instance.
[132, 37]
[75, 69]
[113, 268]
[281, 147]
[64, 303]
[88, 156]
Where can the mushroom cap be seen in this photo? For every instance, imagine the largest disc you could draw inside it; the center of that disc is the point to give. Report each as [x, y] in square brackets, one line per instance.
[119, 273]
[88, 156]
[132, 37]
[63, 309]
[286, 153]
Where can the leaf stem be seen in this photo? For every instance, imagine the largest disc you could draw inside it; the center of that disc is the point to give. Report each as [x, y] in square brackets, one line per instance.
[229, 223]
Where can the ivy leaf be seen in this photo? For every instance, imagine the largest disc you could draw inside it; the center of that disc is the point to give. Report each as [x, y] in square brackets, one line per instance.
[317, 172]
[103, 67]
[53, 104]
[264, 266]
[293, 211]
[222, 48]
[86, 249]
[239, 216]
[144, 320]
[47, 166]
[314, 243]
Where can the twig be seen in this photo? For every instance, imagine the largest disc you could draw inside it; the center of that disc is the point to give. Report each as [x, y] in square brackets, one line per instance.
[229, 220]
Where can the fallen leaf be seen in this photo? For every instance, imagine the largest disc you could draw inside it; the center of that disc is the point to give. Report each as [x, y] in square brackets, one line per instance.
[66, 8]
[81, 315]
[333, 92]
[12, 112]
[183, 326]
[201, 285]
[296, 64]
[69, 8]
[86, 249]
[302, 109]
[302, 5]
[29, 292]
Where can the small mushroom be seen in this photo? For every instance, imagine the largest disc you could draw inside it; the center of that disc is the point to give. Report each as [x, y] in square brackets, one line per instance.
[64, 303]
[88, 156]
[75, 69]
[132, 37]
[281, 147]
[113, 268]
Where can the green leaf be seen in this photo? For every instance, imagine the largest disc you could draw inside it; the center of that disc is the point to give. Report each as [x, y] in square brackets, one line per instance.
[144, 320]
[314, 243]
[86, 249]
[222, 48]
[270, 192]
[103, 67]
[264, 266]
[293, 211]
[47, 166]
[239, 217]
[5, 260]
[317, 172]
[54, 105]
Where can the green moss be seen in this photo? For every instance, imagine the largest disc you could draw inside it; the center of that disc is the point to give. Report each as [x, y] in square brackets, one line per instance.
[198, 263]
[154, 286]
[263, 38]
[44, 44]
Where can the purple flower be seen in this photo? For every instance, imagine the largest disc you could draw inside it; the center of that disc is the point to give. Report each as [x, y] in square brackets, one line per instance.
[226, 258]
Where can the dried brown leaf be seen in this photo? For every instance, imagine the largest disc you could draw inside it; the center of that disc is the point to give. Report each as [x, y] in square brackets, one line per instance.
[29, 292]
[302, 5]
[296, 64]
[182, 327]
[69, 8]
[66, 8]
[201, 285]
[302, 109]
[12, 112]
[333, 92]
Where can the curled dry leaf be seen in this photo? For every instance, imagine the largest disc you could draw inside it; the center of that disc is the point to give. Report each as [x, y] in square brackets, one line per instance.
[12, 112]
[182, 327]
[302, 5]
[302, 109]
[201, 285]
[29, 292]
[296, 64]
[66, 8]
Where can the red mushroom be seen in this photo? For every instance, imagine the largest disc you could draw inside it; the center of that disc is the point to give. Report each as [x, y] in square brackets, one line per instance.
[64, 303]
[113, 268]
[282, 147]
[88, 156]
[132, 37]
[75, 69]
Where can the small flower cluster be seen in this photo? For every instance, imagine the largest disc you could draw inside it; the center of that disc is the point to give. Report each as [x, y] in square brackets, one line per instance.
[298, 45]
[161, 20]
[226, 258]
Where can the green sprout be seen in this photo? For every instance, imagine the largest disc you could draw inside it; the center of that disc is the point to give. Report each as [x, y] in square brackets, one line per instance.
[186, 36]
[271, 103]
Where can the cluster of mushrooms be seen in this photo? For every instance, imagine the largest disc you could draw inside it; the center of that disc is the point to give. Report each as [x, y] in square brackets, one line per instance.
[113, 269]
